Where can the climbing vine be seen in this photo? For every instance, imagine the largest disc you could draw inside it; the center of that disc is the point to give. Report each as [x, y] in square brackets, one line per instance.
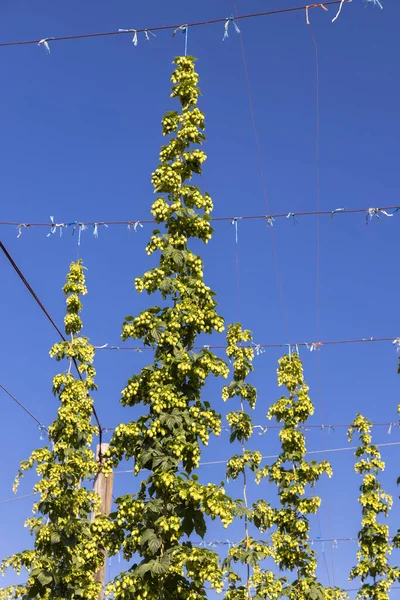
[292, 474]
[260, 583]
[68, 547]
[154, 526]
[373, 568]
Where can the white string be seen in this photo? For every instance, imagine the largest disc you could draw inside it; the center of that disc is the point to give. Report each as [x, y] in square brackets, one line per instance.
[224, 462]
[339, 11]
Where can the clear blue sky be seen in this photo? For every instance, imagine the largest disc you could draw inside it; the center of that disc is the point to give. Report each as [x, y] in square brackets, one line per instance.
[80, 133]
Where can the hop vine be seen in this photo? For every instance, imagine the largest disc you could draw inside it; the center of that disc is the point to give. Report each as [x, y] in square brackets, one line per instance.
[260, 583]
[373, 568]
[68, 548]
[156, 524]
[292, 474]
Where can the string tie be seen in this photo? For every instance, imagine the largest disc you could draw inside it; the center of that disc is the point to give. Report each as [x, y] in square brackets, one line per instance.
[337, 210]
[314, 6]
[226, 27]
[147, 33]
[135, 35]
[135, 225]
[291, 214]
[374, 212]
[54, 226]
[19, 228]
[45, 43]
[96, 229]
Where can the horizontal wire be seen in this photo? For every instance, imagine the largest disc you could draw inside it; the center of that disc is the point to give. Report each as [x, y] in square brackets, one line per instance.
[311, 541]
[231, 219]
[264, 428]
[23, 407]
[342, 589]
[309, 345]
[168, 27]
[358, 589]
[224, 462]
[330, 450]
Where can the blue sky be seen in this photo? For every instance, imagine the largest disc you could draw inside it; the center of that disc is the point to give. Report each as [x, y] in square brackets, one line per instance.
[81, 134]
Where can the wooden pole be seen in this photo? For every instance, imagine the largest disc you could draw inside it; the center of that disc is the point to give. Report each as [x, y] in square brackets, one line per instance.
[104, 487]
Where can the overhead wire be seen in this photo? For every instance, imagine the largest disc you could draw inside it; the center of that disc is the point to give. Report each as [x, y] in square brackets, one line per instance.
[312, 541]
[9, 500]
[311, 346]
[28, 412]
[42, 307]
[268, 217]
[330, 427]
[341, 589]
[164, 27]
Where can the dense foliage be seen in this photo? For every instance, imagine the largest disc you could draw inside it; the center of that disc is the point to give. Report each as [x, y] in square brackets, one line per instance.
[373, 568]
[154, 525]
[68, 547]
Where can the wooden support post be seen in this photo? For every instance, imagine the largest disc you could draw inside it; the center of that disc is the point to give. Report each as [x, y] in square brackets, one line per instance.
[104, 487]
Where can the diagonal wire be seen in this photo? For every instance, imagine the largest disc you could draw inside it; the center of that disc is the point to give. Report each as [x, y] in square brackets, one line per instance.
[17, 498]
[38, 301]
[23, 407]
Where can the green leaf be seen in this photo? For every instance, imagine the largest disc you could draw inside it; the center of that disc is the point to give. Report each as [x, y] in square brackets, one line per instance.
[55, 537]
[200, 524]
[35, 591]
[45, 577]
[142, 569]
[188, 524]
[154, 544]
[148, 535]
[156, 333]
[158, 567]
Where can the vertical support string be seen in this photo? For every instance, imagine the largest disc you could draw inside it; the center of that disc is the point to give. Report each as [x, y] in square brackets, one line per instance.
[317, 289]
[184, 29]
[235, 223]
[263, 178]
[186, 39]
[246, 521]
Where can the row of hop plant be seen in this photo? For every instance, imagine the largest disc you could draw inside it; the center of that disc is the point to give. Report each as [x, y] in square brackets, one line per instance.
[154, 527]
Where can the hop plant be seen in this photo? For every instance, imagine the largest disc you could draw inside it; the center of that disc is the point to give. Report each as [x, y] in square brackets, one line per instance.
[373, 568]
[68, 548]
[291, 474]
[154, 526]
[259, 582]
